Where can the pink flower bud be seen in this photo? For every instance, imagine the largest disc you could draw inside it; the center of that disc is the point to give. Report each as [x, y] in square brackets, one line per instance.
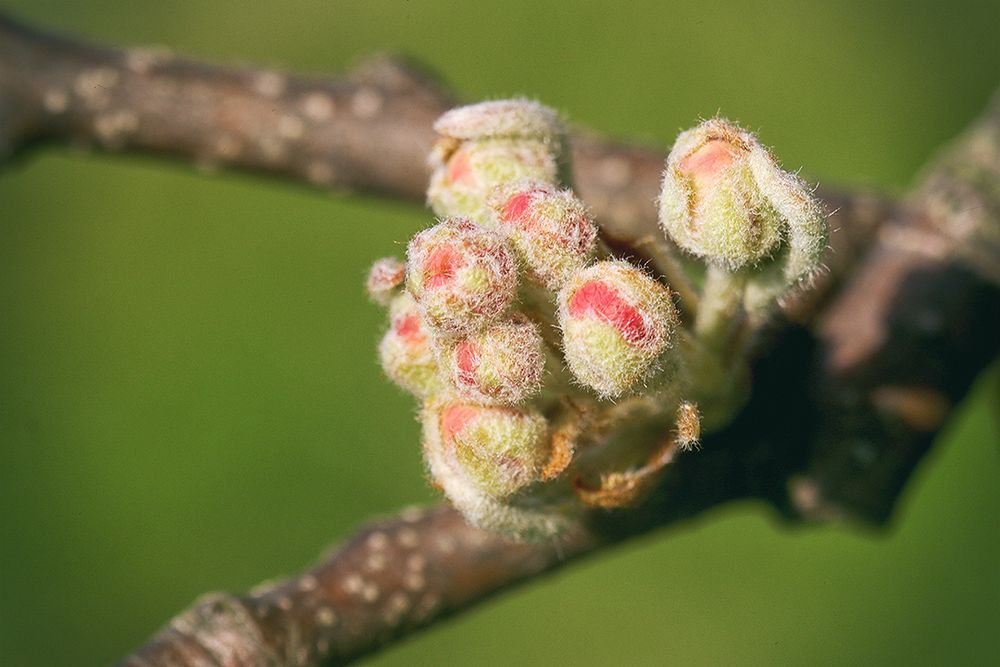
[462, 275]
[725, 198]
[617, 325]
[486, 144]
[384, 279]
[498, 450]
[549, 228]
[406, 351]
[502, 364]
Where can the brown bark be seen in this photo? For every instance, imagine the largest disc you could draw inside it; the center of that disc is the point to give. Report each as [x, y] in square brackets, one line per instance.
[850, 385]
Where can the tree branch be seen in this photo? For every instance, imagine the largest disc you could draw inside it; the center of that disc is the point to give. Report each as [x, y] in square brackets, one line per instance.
[849, 390]
[367, 132]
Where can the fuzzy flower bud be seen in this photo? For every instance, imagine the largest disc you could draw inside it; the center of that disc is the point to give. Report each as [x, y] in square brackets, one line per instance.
[406, 352]
[463, 276]
[384, 279]
[549, 228]
[498, 450]
[489, 143]
[725, 198]
[502, 364]
[518, 118]
[617, 324]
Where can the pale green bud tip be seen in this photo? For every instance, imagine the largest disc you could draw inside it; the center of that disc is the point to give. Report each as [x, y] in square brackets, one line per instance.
[384, 279]
[463, 179]
[484, 144]
[406, 351]
[501, 118]
[463, 276]
[725, 198]
[503, 364]
[501, 452]
[497, 450]
[550, 229]
[617, 326]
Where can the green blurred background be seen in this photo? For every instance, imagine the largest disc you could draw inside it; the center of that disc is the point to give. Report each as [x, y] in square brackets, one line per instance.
[188, 394]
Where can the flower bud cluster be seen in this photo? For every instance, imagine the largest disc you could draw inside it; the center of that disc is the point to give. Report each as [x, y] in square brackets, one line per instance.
[531, 347]
[475, 336]
[484, 440]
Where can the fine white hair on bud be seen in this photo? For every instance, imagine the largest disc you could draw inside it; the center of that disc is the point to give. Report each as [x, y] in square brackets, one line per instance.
[406, 351]
[521, 118]
[498, 450]
[806, 228]
[486, 460]
[384, 279]
[463, 276]
[523, 440]
[617, 325]
[502, 364]
[485, 144]
[549, 228]
[726, 199]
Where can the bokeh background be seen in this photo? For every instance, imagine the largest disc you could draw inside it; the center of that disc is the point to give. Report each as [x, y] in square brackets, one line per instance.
[188, 394]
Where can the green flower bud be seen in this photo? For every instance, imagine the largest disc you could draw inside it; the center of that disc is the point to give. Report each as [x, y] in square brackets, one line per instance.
[502, 364]
[617, 325]
[725, 198]
[483, 145]
[463, 276]
[406, 352]
[495, 468]
[498, 450]
[549, 228]
[509, 119]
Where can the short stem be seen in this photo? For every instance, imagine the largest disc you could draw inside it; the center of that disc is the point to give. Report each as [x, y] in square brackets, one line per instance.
[716, 352]
[720, 311]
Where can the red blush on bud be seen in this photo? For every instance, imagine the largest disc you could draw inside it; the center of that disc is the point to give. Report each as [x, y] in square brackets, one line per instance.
[455, 419]
[459, 169]
[467, 360]
[707, 163]
[604, 302]
[408, 328]
[441, 265]
[515, 211]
